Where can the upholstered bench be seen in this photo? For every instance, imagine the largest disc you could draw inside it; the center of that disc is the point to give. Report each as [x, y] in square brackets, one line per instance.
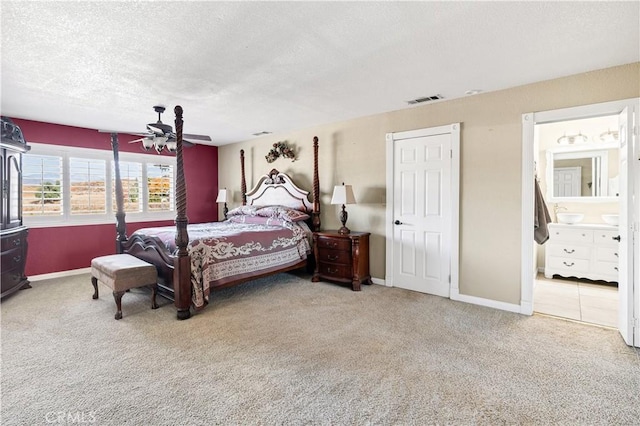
[122, 272]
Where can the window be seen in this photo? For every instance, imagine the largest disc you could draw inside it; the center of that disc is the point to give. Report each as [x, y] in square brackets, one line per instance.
[41, 185]
[87, 186]
[67, 186]
[131, 178]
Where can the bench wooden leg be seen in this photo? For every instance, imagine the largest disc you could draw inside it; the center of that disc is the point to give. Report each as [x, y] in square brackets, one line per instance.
[154, 291]
[94, 281]
[117, 295]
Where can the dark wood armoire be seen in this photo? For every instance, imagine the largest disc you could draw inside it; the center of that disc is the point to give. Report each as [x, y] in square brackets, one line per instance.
[13, 233]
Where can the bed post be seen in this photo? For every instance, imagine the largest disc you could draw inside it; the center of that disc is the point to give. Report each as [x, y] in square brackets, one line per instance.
[315, 215]
[243, 181]
[121, 226]
[182, 264]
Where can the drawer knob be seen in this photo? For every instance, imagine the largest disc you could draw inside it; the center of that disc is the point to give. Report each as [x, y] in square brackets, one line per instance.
[615, 267]
[568, 264]
[616, 238]
[16, 242]
[329, 257]
[332, 271]
[616, 254]
[569, 251]
[16, 259]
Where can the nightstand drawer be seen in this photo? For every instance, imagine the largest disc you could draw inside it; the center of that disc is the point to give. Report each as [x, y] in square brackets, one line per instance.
[335, 271]
[334, 243]
[334, 256]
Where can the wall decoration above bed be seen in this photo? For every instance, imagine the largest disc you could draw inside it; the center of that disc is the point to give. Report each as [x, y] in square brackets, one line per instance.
[281, 149]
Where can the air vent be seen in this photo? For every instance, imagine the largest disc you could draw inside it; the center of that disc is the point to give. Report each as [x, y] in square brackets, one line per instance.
[262, 133]
[425, 99]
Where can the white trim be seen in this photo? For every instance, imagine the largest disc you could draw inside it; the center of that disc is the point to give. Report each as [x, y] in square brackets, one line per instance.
[60, 274]
[528, 172]
[503, 306]
[378, 281]
[454, 265]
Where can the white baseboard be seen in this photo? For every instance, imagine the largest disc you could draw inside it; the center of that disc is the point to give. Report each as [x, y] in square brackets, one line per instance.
[510, 307]
[60, 274]
[378, 281]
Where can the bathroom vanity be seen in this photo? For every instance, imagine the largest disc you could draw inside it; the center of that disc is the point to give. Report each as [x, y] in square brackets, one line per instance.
[582, 251]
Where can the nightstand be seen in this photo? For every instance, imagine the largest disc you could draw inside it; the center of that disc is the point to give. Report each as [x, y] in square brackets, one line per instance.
[342, 257]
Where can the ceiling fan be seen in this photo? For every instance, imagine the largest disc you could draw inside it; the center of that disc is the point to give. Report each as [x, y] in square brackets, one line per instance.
[160, 135]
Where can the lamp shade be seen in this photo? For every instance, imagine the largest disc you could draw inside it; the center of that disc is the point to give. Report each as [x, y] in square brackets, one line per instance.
[343, 194]
[223, 196]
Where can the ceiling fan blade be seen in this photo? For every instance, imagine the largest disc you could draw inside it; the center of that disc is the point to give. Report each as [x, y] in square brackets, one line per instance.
[155, 130]
[197, 137]
[137, 140]
[187, 143]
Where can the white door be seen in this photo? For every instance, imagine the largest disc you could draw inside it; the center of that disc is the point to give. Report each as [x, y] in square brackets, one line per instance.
[567, 181]
[422, 213]
[625, 287]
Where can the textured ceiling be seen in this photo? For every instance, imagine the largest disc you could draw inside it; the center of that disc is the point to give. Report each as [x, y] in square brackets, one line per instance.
[238, 68]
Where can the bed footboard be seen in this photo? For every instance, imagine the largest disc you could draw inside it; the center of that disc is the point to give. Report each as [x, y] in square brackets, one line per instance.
[152, 250]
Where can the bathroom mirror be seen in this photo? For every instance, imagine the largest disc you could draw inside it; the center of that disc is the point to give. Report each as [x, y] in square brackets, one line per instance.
[587, 173]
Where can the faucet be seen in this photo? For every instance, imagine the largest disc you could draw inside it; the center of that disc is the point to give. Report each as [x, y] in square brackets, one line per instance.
[557, 208]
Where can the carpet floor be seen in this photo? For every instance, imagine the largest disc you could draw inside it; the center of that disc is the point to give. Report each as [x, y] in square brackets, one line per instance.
[283, 350]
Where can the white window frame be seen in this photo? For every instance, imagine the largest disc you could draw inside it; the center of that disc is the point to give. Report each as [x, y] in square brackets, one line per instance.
[67, 219]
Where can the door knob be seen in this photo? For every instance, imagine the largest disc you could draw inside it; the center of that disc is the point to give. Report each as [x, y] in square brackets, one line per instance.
[397, 222]
[616, 238]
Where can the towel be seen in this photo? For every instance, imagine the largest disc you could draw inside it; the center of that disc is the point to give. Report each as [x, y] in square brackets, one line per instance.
[541, 217]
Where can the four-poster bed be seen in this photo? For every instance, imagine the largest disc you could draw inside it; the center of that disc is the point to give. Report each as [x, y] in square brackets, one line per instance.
[270, 233]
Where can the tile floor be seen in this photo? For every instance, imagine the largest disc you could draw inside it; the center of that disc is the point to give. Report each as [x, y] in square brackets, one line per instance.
[593, 302]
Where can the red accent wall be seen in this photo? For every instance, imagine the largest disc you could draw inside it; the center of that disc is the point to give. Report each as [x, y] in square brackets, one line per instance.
[64, 248]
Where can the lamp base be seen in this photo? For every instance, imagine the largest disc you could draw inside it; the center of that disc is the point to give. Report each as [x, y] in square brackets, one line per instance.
[343, 219]
[344, 231]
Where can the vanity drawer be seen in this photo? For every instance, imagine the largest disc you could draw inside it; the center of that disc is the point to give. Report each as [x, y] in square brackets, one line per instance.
[606, 268]
[569, 264]
[607, 254]
[570, 251]
[605, 236]
[571, 235]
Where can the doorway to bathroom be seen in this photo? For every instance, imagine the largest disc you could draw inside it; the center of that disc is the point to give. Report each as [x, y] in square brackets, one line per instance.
[586, 251]
[577, 169]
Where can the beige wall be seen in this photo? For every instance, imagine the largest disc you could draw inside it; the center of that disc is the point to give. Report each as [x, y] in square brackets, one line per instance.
[490, 198]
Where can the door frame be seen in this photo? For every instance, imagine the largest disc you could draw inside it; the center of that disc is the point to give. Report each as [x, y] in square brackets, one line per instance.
[454, 130]
[529, 120]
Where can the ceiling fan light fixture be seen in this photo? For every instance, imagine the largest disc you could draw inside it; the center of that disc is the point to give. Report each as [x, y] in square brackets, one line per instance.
[172, 146]
[147, 143]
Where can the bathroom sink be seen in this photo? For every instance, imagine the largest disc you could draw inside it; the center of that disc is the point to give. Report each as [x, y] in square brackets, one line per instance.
[569, 218]
[611, 219]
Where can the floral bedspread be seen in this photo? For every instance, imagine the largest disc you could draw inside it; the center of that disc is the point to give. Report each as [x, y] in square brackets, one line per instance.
[225, 251]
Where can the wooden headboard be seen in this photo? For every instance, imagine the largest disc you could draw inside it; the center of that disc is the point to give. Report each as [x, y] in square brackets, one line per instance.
[277, 188]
